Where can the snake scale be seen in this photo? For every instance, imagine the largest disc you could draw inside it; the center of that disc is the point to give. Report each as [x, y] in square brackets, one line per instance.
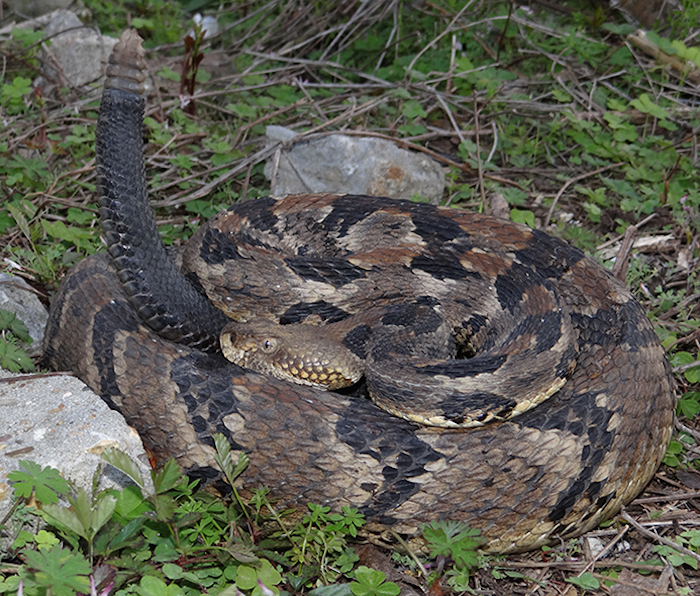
[141, 329]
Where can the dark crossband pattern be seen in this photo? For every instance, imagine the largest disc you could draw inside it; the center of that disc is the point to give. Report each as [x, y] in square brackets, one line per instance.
[533, 328]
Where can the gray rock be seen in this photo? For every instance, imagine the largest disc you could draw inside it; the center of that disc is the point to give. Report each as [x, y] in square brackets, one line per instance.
[34, 8]
[18, 297]
[355, 165]
[57, 421]
[77, 54]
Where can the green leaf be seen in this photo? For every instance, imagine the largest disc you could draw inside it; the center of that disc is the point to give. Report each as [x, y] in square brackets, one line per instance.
[20, 219]
[244, 110]
[123, 463]
[168, 73]
[59, 570]
[153, 586]
[371, 582]
[64, 519]
[453, 539]
[12, 94]
[82, 519]
[23, 538]
[164, 551]
[139, 23]
[248, 577]
[6, 222]
[81, 506]
[523, 216]
[671, 461]
[674, 557]
[78, 237]
[585, 581]
[131, 503]
[165, 507]
[412, 130]
[644, 104]
[622, 30]
[412, 109]
[103, 512]
[43, 482]
[348, 523]
[334, 590]
[692, 375]
[9, 320]
[172, 571]
[675, 447]
[12, 357]
[124, 538]
[267, 574]
[346, 562]
[219, 159]
[693, 538]
[416, 75]
[80, 216]
[168, 477]
[681, 358]
[561, 96]
[223, 458]
[458, 579]
[45, 540]
[400, 93]
[689, 404]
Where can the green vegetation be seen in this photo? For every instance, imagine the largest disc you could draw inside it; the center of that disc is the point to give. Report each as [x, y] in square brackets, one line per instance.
[12, 331]
[560, 114]
[175, 539]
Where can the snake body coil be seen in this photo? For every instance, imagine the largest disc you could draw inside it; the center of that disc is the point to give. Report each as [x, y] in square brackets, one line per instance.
[142, 333]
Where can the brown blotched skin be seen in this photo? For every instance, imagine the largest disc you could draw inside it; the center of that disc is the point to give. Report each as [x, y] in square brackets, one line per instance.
[541, 306]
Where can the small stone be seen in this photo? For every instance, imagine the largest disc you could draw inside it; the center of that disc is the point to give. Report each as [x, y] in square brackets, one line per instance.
[34, 8]
[77, 55]
[17, 296]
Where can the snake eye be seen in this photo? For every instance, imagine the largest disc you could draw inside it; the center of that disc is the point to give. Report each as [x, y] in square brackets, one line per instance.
[268, 345]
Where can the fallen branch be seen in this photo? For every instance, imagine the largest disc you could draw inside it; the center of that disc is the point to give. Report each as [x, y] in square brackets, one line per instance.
[684, 68]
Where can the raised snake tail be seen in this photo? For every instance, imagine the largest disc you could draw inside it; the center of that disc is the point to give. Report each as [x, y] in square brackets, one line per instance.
[165, 300]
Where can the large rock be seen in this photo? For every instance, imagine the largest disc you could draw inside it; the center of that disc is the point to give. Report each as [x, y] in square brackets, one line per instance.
[353, 165]
[56, 421]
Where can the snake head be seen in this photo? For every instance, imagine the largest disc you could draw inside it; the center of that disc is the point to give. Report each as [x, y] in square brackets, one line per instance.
[300, 354]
